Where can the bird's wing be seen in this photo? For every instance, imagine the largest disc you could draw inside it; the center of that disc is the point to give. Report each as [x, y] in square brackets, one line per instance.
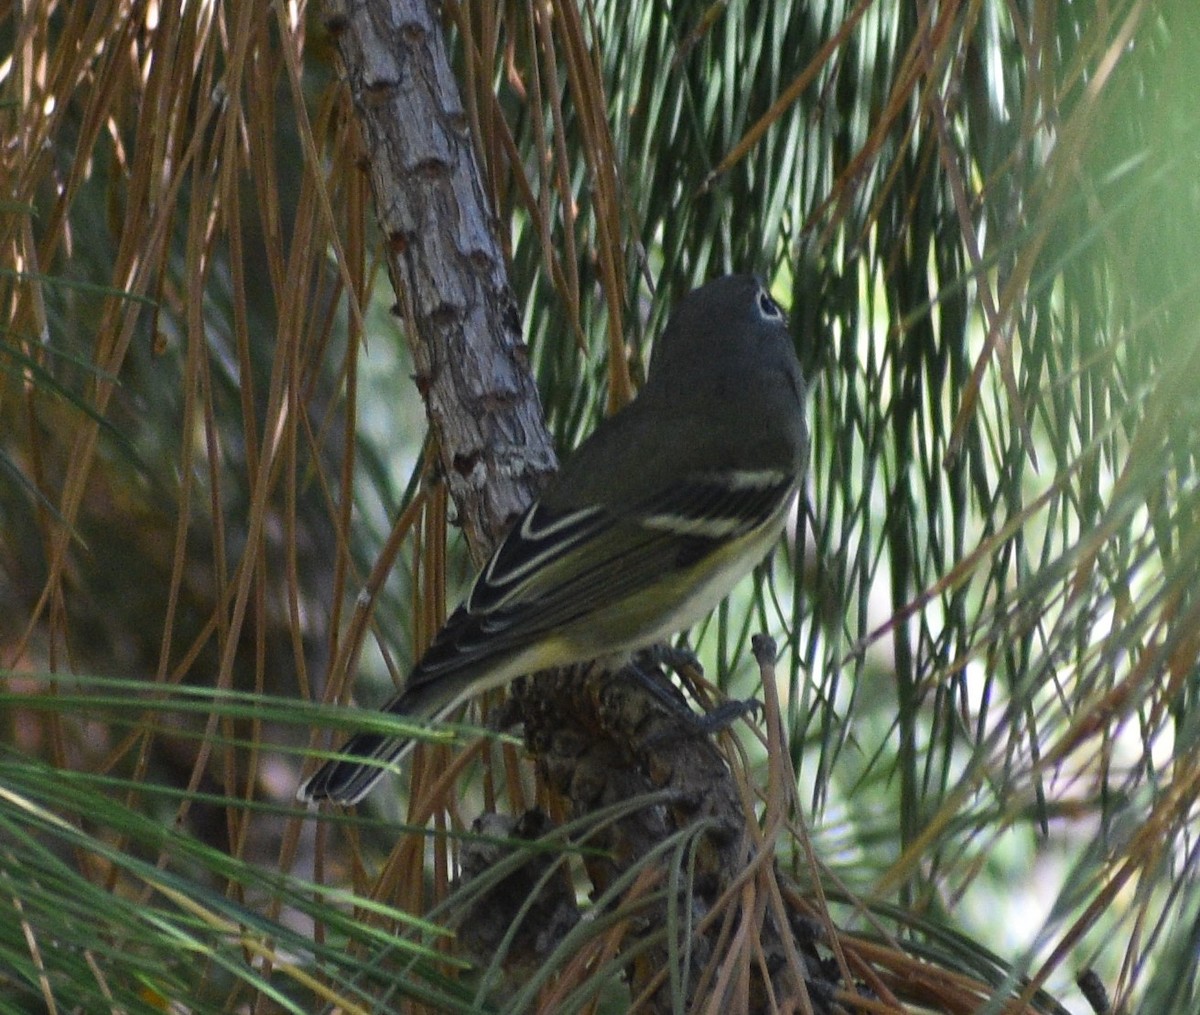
[556, 567]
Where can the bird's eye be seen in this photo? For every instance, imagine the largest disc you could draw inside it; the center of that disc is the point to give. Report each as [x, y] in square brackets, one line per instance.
[768, 307]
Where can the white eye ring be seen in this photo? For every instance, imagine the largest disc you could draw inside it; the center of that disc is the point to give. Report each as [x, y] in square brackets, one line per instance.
[768, 307]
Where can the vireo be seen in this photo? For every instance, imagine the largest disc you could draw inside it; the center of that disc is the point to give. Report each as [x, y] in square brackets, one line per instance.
[646, 528]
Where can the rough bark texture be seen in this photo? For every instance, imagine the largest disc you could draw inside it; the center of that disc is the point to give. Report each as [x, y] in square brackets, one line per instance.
[601, 740]
[445, 263]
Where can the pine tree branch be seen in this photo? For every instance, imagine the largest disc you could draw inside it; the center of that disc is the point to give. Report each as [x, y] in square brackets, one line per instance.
[445, 263]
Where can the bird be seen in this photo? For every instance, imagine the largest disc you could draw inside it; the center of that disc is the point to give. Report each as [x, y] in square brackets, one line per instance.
[648, 525]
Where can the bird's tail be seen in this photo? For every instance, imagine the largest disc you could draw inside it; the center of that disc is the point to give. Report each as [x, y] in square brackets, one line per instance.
[366, 756]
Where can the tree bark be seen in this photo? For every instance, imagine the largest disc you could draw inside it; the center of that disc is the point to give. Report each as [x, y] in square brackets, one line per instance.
[445, 263]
